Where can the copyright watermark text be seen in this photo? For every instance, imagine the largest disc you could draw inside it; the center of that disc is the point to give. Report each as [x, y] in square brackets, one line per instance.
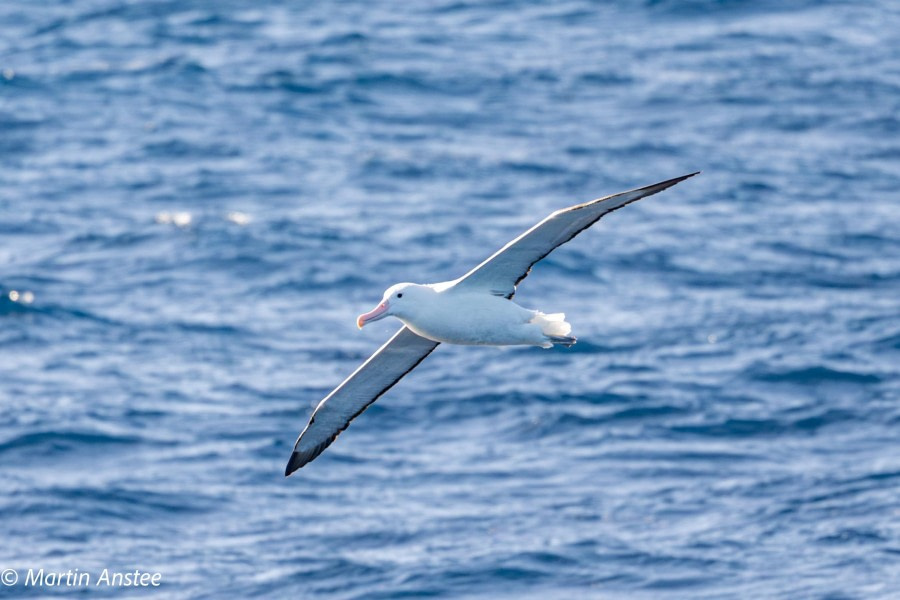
[78, 578]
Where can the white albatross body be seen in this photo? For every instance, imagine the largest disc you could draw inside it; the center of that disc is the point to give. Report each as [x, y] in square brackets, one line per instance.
[443, 313]
[476, 309]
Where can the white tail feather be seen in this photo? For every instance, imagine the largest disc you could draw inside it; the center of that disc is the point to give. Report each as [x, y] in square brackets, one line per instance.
[552, 325]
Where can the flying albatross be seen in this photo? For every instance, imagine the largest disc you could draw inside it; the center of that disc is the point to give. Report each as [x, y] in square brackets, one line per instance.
[476, 309]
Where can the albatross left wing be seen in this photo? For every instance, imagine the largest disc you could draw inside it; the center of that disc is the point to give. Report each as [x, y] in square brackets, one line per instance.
[378, 374]
[502, 272]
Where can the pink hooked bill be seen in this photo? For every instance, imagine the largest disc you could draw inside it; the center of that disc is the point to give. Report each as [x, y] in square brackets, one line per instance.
[373, 315]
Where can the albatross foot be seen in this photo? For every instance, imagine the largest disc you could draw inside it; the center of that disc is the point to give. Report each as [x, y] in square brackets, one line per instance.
[563, 340]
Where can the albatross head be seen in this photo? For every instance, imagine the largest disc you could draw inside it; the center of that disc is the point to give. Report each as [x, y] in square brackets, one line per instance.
[398, 301]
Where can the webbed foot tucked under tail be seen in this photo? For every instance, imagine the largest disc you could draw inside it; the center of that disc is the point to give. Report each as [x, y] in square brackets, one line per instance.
[555, 328]
[563, 340]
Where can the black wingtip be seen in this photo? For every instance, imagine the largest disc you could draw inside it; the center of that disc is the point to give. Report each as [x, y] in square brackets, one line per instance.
[655, 188]
[295, 462]
[675, 180]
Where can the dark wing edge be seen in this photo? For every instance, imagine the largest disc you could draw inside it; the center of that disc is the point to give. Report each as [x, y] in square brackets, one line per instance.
[421, 348]
[573, 225]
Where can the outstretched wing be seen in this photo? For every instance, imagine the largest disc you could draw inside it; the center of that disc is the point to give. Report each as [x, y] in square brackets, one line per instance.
[502, 272]
[378, 374]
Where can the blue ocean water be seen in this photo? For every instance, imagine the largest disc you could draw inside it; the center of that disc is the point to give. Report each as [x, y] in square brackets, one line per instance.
[198, 197]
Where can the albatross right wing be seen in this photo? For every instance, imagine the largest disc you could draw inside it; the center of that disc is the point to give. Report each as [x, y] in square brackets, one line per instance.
[502, 272]
[378, 374]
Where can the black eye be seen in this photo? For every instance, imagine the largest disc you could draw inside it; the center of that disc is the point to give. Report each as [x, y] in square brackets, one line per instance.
[399, 294]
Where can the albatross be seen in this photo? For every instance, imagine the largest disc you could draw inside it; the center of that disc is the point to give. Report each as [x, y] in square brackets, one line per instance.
[476, 309]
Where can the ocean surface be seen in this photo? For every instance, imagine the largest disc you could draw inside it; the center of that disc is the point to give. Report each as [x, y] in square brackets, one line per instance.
[197, 197]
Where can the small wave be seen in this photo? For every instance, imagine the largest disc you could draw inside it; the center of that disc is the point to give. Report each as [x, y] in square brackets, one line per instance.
[811, 375]
[825, 418]
[734, 428]
[177, 148]
[604, 78]
[853, 536]
[16, 306]
[343, 39]
[748, 427]
[61, 442]
[291, 82]
[100, 504]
